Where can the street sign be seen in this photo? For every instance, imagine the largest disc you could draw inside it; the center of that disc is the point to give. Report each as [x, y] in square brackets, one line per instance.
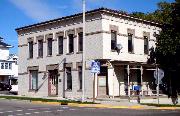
[160, 74]
[95, 67]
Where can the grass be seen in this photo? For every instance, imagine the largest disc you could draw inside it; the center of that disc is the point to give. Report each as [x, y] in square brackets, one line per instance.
[45, 100]
[160, 105]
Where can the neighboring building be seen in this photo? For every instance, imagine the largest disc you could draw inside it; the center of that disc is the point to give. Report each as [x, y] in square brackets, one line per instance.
[50, 55]
[8, 64]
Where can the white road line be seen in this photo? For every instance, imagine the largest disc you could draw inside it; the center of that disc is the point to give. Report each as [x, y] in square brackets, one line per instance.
[163, 110]
[19, 114]
[89, 108]
[1, 112]
[9, 111]
[72, 109]
[47, 111]
[27, 113]
[59, 110]
[65, 107]
[10, 115]
[19, 110]
[45, 108]
[31, 109]
[36, 112]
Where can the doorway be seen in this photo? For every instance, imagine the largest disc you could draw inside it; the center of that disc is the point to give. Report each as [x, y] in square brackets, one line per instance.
[53, 83]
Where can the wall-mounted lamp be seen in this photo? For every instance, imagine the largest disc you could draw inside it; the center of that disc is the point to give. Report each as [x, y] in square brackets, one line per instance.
[118, 48]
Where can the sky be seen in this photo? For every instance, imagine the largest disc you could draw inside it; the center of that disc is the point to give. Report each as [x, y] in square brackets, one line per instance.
[19, 13]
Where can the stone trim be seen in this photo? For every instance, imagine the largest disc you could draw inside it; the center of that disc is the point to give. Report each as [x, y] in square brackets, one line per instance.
[79, 30]
[68, 65]
[47, 36]
[70, 31]
[131, 31]
[40, 37]
[147, 34]
[60, 33]
[24, 73]
[32, 68]
[113, 28]
[30, 39]
[52, 67]
[22, 45]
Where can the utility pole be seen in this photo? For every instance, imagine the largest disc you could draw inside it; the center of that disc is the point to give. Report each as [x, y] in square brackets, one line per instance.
[83, 54]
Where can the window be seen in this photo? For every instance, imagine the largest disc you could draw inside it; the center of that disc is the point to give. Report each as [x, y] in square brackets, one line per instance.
[80, 41]
[60, 45]
[34, 79]
[6, 65]
[130, 43]
[31, 49]
[80, 77]
[40, 48]
[49, 46]
[113, 40]
[146, 45]
[71, 43]
[69, 78]
[10, 65]
[2, 65]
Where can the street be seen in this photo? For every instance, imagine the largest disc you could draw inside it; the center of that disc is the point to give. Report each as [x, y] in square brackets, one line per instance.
[23, 108]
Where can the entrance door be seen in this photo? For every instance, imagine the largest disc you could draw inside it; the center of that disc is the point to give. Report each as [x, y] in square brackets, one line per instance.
[53, 82]
[103, 83]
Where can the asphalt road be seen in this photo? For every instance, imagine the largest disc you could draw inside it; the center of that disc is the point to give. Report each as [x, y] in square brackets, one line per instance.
[22, 108]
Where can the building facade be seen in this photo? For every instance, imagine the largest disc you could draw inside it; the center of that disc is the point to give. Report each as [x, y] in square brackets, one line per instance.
[8, 64]
[50, 55]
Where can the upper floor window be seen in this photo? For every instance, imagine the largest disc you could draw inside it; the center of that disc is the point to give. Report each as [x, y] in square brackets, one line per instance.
[113, 40]
[71, 43]
[2, 65]
[6, 65]
[69, 78]
[30, 49]
[146, 45]
[80, 41]
[130, 43]
[40, 48]
[10, 65]
[60, 45]
[49, 49]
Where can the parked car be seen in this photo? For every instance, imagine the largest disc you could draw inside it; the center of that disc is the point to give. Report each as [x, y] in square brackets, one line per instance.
[5, 86]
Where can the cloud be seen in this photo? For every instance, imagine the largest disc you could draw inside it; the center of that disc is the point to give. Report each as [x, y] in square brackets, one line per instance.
[36, 9]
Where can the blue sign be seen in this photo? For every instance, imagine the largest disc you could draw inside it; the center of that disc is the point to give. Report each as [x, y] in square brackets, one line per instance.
[95, 67]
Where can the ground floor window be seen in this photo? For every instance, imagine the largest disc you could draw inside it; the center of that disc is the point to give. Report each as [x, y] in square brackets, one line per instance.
[80, 77]
[69, 78]
[34, 80]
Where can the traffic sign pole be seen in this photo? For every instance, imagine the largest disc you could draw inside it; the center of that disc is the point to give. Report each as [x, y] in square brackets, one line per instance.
[157, 84]
[94, 88]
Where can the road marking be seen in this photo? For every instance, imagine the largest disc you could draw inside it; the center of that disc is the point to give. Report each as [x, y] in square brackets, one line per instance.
[1, 112]
[31, 109]
[19, 114]
[45, 108]
[19, 110]
[65, 107]
[59, 110]
[163, 110]
[89, 108]
[9, 111]
[47, 111]
[72, 109]
[36, 112]
[10, 115]
[27, 113]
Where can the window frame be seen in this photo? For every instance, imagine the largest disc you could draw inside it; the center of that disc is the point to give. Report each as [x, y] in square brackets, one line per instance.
[71, 43]
[40, 48]
[80, 42]
[2, 65]
[146, 47]
[31, 86]
[113, 40]
[60, 44]
[68, 78]
[49, 46]
[30, 44]
[80, 77]
[130, 50]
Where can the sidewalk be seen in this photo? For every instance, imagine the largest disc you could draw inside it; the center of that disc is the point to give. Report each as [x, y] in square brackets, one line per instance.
[112, 103]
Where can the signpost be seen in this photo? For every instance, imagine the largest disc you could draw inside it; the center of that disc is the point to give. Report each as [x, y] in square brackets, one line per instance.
[95, 68]
[158, 75]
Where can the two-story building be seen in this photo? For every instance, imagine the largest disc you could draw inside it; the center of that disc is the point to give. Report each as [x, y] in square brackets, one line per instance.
[8, 64]
[50, 55]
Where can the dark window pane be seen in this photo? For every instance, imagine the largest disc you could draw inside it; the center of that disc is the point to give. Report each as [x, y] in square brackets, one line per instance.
[60, 44]
[146, 45]
[69, 78]
[113, 40]
[49, 46]
[130, 43]
[40, 48]
[80, 42]
[80, 76]
[31, 49]
[71, 43]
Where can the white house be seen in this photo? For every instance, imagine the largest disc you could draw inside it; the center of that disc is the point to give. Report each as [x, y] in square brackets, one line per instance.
[50, 55]
[8, 64]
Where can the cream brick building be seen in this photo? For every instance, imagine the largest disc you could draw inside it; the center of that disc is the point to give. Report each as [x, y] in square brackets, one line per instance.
[50, 55]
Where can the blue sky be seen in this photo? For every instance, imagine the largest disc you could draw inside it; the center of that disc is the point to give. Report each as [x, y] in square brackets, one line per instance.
[18, 13]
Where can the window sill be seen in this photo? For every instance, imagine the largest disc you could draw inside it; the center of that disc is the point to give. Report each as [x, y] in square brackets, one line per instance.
[33, 90]
[79, 52]
[70, 53]
[39, 57]
[68, 90]
[49, 56]
[80, 90]
[131, 52]
[29, 58]
[59, 54]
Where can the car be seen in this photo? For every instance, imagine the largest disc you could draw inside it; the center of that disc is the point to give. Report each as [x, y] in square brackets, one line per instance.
[5, 86]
